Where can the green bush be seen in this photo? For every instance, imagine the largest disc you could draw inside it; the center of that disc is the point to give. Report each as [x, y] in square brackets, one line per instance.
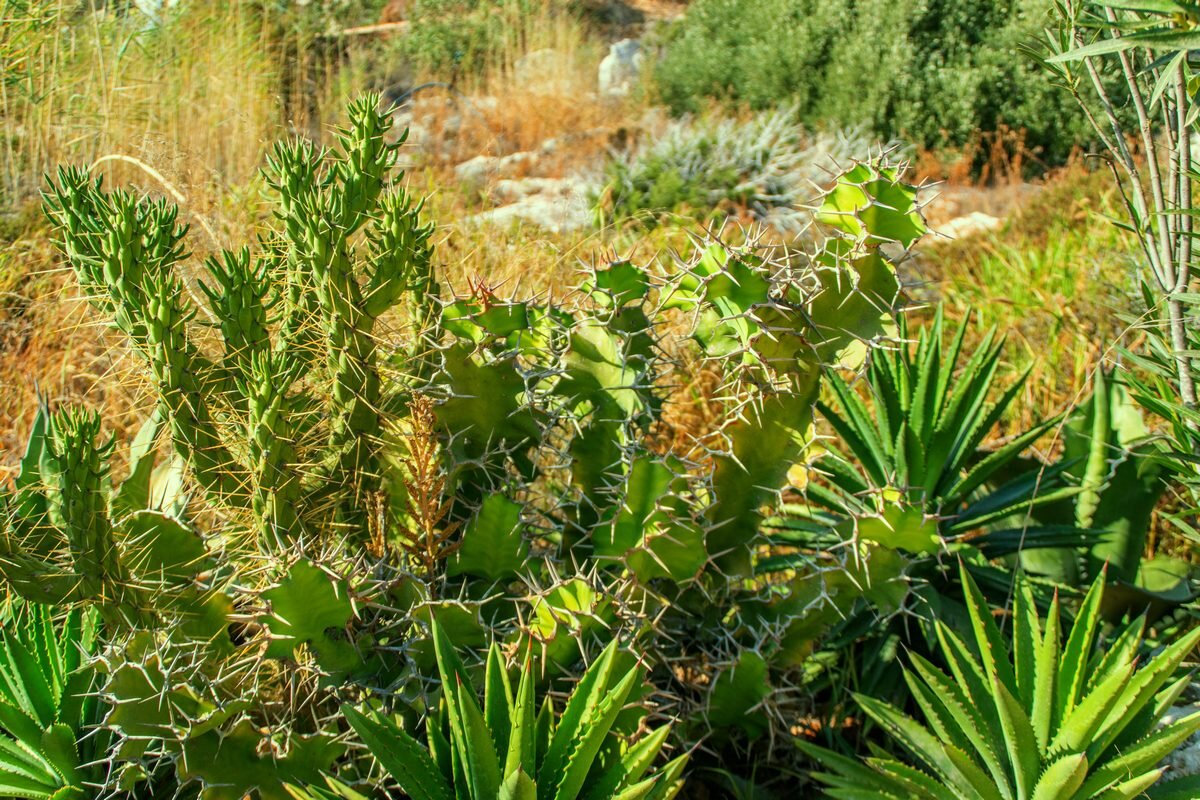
[766, 165]
[932, 71]
[451, 37]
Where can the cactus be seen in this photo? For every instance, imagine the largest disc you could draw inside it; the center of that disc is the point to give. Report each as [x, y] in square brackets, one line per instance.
[68, 538]
[174, 685]
[498, 441]
[308, 301]
[549, 412]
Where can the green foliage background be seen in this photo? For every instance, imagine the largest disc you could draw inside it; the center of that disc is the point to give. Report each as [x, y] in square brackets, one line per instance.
[932, 71]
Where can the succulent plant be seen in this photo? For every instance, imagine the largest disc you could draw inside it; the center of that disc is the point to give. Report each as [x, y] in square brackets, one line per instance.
[1042, 718]
[48, 704]
[452, 474]
[253, 433]
[513, 748]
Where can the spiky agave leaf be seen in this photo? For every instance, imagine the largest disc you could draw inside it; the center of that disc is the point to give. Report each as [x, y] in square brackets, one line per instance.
[48, 706]
[1055, 720]
[504, 750]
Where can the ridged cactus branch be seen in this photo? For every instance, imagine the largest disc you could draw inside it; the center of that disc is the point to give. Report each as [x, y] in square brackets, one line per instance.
[241, 299]
[79, 503]
[297, 390]
[124, 251]
[272, 449]
[293, 171]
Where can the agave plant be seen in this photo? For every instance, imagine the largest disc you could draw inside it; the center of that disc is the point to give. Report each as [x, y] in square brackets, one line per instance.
[907, 482]
[915, 476]
[510, 749]
[1109, 451]
[1042, 720]
[47, 703]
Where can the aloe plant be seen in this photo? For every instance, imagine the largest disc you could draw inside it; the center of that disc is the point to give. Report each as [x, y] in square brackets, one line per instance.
[48, 704]
[1110, 452]
[511, 748]
[915, 476]
[1056, 715]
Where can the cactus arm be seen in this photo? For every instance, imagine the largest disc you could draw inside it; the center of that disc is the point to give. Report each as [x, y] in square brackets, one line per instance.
[83, 472]
[400, 254]
[272, 449]
[368, 158]
[124, 252]
[293, 173]
[239, 298]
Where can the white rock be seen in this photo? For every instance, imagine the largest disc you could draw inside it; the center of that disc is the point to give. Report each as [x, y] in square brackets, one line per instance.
[621, 68]
[511, 190]
[969, 225]
[477, 172]
[553, 204]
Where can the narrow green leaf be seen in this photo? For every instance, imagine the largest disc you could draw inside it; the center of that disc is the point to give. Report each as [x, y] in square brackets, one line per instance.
[1062, 778]
[401, 755]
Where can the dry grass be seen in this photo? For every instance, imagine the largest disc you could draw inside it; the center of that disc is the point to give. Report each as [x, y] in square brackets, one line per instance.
[195, 97]
[1055, 279]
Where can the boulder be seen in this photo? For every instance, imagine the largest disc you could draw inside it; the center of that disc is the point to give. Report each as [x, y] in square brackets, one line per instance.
[621, 69]
[476, 173]
[557, 205]
[969, 225]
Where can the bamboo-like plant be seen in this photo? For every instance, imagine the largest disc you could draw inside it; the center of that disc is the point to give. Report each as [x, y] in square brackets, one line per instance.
[1144, 47]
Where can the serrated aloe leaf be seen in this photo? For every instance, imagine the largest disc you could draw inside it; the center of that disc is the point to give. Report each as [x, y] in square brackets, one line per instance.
[401, 755]
[1141, 690]
[918, 741]
[589, 740]
[632, 766]
[954, 702]
[522, 742]
[669, 780]
[579, 712]
[518, 786]
[497, 700]
[1142, 756]
[1079, 727]
[1044, 694]
[479, 750]
[1072, 671]
[1061, 778]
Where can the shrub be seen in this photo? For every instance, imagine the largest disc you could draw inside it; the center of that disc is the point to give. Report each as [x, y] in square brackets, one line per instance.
[448, 38]
[932, 71]
[766, 165]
